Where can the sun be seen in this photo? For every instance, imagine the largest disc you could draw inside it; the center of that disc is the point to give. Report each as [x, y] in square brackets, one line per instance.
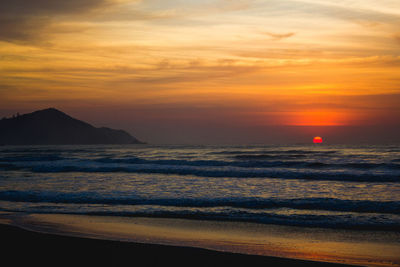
[317, 140]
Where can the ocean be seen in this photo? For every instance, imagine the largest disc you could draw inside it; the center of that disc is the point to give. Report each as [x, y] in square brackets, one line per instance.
[323, 186]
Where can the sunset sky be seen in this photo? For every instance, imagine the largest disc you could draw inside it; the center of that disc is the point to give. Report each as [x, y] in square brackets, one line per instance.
[208, 71]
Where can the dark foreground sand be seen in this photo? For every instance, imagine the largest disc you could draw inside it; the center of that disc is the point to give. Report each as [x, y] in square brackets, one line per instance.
[25, 248]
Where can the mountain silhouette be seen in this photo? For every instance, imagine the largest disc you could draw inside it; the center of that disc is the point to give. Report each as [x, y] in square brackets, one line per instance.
[53, 127]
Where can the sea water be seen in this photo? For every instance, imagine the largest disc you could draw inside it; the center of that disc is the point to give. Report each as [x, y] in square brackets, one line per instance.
[322, 186]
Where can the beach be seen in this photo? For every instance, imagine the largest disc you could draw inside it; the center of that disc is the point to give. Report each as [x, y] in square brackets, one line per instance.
[27, 248]
[116, 241]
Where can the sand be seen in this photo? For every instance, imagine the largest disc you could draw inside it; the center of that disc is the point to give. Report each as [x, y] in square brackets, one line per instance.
[27, 248]
[115, 241]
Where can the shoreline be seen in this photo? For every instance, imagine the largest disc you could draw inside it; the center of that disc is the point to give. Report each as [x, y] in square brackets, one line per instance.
[259, 242]
[23, 247]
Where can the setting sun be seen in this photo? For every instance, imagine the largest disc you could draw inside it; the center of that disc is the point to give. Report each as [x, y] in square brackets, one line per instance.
[317, 140]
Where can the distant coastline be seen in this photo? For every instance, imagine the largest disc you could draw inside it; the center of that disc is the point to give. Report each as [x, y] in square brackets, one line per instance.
[53, 127]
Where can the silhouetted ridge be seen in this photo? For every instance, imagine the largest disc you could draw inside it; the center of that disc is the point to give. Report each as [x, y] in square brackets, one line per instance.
[53, 127]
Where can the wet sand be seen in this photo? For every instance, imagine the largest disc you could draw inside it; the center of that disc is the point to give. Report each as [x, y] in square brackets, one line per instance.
[52, 239]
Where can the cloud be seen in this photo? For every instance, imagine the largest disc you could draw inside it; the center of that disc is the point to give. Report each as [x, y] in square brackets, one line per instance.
[277, 36]
[21, 28]
[24, 21]
[360, 12]
[397, 38]
[182, 74]
[234, 5]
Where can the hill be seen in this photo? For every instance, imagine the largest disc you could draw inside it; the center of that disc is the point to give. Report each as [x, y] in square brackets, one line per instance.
[53, 127]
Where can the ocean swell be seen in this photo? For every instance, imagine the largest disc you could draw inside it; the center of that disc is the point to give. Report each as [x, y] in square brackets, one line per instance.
[122, 198]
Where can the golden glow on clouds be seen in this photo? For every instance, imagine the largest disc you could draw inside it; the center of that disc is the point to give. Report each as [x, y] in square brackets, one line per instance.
[303, 62]
[319, 117]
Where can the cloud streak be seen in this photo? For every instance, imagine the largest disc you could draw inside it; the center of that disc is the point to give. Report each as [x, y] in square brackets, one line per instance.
[277, 36]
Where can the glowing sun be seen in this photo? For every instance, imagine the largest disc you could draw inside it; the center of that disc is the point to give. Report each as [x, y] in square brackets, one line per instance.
[317, 140]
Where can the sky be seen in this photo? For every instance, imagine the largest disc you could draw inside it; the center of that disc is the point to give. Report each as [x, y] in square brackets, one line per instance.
[208, 71]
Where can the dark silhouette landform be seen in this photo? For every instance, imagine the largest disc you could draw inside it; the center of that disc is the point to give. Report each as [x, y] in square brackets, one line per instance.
[53, 127]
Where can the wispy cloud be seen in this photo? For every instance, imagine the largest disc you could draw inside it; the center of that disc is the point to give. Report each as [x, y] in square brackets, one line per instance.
[279, 36]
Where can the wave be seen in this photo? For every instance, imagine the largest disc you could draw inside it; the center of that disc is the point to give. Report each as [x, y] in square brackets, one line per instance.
[218, 172]
[273, 151]
[247, 161]
[268, 156]
[366, 221]
[118, 198]
[32, 158]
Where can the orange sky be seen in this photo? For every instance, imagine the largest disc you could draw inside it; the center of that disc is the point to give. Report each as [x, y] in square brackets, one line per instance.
[243, 63]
